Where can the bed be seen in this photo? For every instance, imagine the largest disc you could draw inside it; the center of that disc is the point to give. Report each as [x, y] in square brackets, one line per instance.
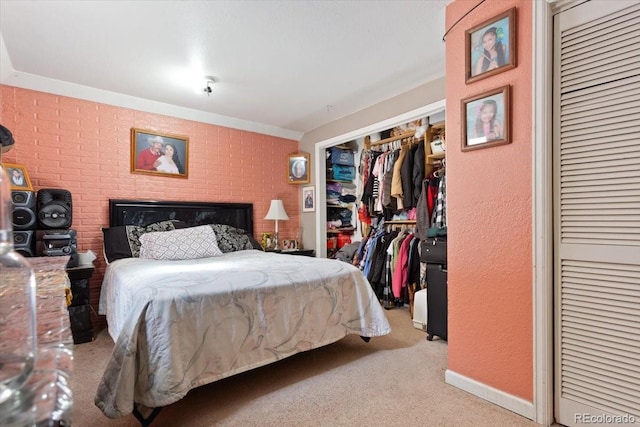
[181, 323]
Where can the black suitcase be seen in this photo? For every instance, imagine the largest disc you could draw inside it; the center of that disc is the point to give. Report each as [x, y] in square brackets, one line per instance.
[436, 301]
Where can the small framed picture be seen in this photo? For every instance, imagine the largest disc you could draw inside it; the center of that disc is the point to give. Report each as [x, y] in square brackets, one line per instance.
[159, 154]
[486, 119]
[18, 177]
[289, 245]
[491, 46]
[266, 240]
[308, 199]
[298, 172]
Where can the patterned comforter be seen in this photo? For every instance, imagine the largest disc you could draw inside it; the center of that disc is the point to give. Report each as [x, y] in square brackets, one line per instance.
[181, 324]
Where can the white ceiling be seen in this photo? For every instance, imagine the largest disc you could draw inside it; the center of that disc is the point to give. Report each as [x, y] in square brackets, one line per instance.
[282, 67]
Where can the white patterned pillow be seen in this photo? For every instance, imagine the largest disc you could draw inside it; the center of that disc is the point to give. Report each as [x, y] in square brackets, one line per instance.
[185, 243]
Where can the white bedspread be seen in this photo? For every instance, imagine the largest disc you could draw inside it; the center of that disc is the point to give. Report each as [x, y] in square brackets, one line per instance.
[181, 324]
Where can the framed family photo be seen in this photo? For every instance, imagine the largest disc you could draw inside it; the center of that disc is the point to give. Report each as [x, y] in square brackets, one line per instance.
[298, 168]
[486, 119]
[159, 153]
[289, 245]
[18, 177]
[308, 199]
[490, 47]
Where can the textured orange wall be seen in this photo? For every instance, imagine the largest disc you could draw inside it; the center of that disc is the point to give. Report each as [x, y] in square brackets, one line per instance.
[84, 147]
[489, 214]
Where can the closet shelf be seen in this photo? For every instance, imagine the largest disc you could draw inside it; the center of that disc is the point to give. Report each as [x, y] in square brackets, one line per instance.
[341, 230]
[339, 180]
[432, 158]
[401, 222]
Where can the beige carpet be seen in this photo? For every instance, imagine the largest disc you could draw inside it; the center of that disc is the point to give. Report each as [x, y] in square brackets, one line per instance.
[396, 380]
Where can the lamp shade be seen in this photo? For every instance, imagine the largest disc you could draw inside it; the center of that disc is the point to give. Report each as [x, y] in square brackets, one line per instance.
[276, 211]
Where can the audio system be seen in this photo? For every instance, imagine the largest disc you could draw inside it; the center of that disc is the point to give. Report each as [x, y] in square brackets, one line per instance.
[56, 242]
[24, 210]
[41, 224]
[54, 209]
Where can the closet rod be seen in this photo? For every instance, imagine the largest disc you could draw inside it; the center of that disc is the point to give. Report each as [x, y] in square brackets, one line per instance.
[393, 138]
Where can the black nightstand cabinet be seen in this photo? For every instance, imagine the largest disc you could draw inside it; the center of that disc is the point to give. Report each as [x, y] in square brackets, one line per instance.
[301, 252]
[80, 310]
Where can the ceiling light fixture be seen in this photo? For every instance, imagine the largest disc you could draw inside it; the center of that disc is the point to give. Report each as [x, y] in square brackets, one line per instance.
[208, 85]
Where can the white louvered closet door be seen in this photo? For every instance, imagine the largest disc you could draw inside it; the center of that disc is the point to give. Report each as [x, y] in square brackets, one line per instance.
[596, 110]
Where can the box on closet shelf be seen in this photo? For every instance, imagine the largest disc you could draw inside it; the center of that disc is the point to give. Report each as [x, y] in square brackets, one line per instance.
[340, 156]
[341, 173]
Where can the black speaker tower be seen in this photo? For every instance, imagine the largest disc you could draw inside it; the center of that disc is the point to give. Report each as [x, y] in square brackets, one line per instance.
[54, 209]
[24, 210]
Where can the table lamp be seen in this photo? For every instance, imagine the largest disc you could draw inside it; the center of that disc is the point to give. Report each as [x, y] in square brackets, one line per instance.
[276, 212]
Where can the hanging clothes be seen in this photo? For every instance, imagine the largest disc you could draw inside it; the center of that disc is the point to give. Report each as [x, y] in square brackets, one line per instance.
[439, 217]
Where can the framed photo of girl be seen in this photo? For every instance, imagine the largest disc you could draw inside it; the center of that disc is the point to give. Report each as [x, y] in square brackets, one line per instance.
[159, 153]
[18, 177]
[486, 119]
[490, 47]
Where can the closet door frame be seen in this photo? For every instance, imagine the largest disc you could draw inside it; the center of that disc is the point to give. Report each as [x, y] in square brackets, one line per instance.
[320, 166]
[543, 398]
[543, 241]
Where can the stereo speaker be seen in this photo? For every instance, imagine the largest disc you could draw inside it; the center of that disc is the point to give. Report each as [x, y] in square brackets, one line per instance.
[24, 210]
[23, 242]
[54, 208]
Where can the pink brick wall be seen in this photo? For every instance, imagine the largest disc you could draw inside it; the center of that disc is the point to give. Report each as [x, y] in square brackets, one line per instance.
[84, 147]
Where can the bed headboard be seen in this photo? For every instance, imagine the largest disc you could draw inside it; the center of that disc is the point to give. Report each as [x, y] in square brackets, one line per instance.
[144, 212]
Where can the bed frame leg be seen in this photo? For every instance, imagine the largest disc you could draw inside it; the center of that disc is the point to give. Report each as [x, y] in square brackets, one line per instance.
[145, 422]
[365, 339]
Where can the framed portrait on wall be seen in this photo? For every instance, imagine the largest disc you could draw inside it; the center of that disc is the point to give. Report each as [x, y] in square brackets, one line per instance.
[298, 168]
[18, 177]
[486, 119]
[159, 153]
[308, 199]
[490, 47]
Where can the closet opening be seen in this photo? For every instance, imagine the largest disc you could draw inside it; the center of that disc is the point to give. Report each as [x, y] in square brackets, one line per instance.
[381, 198]
[398, 131]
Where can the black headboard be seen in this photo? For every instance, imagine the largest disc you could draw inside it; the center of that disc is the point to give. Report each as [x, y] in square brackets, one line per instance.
[144, 212]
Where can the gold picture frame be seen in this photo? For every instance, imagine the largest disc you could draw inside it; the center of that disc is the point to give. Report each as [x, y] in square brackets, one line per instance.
[155, 153]
[18, 177]
[298, 168]
[267, 241]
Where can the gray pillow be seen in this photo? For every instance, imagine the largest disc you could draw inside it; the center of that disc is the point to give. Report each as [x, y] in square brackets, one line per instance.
[124, 241]
[231, 239]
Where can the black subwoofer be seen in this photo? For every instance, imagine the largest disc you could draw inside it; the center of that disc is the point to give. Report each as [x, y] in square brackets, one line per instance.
[24, 210]
[24, 242]
[54, 209]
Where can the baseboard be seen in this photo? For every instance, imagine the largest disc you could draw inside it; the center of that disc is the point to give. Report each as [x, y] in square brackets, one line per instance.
[493, 395]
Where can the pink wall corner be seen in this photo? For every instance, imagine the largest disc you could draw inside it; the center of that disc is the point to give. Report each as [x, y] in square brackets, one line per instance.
[489, 216]
[84, 147]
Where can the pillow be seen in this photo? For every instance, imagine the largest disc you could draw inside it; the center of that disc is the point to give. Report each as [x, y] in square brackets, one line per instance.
[231, 239]
[124, 241]
[185, 243]
[254, 243]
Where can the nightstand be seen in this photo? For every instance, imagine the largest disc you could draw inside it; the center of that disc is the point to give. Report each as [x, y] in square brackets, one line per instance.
[301, 252]
[80, 308]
